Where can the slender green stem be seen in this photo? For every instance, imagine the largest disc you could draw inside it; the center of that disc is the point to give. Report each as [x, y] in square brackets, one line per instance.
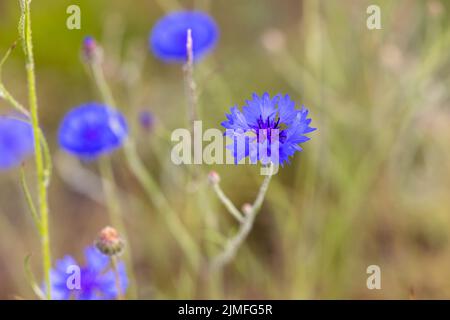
[227, 203]
[115, 212]
[192, 97]
[102, 85]
[117, 278]
[110, 194]
[261, 195]
[191, 86]
[29, 200]
[175, 225]
[31, 279]
[233, 244]
[4, 93]
[9, 98]
[39, 159]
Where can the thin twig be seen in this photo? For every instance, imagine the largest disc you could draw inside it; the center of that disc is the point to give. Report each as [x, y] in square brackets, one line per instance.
[228, 203]
[174, 223]
[118, 283]
[191, 86]
[178, 230]
[233, 244]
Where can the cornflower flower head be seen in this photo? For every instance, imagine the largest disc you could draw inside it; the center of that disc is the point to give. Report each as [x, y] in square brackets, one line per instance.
[97, 279]
[169, 35]
[91, 130]
[268, 130]
[16, 142]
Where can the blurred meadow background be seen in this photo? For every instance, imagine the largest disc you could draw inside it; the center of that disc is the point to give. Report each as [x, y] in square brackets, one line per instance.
[372, 187]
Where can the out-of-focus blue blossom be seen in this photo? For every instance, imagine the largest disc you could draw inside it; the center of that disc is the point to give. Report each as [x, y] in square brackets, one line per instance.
[169, 35]
[91, 130]
[146, 120]
[97, 279]
[16, 142]
[266, 124]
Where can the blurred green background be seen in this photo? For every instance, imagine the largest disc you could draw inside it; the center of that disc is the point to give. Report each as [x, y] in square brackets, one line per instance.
[371, 187]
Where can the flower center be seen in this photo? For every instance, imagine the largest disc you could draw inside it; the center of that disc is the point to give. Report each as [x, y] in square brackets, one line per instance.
[270, 130]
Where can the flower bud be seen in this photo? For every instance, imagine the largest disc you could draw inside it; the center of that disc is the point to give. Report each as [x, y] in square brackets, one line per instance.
[146, 120]
[92, 52]
[247, 208]
[213, 177]
[109, 242]
[273, 40]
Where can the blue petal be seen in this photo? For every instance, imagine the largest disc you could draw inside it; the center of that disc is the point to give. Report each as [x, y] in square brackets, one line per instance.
[236, 120]
[58, 279]
[260, 108]
[286, 110]
[95, 260]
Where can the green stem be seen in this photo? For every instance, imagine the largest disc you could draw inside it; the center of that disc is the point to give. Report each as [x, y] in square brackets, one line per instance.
[101, 83]
[117, 278]
[177, 228]
[227, 203]
[110, 194]
[29, 200]
[233, 244]
[9, 98]
[40, 169]
[191, 86]
[115, 214]
[174, 223]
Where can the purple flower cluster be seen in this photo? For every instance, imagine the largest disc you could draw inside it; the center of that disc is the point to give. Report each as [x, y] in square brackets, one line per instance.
[97, 279]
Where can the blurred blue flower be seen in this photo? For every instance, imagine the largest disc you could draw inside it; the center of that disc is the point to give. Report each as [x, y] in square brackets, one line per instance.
[16, 142]
[267, 124]
[169, 35]
[97, 279]
[146, 120]
[91, 130]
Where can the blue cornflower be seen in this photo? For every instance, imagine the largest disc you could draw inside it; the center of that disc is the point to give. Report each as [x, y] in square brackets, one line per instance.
[97, 279]
[267, 130]
[91, 130]
[16, 142]
[169, 35]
